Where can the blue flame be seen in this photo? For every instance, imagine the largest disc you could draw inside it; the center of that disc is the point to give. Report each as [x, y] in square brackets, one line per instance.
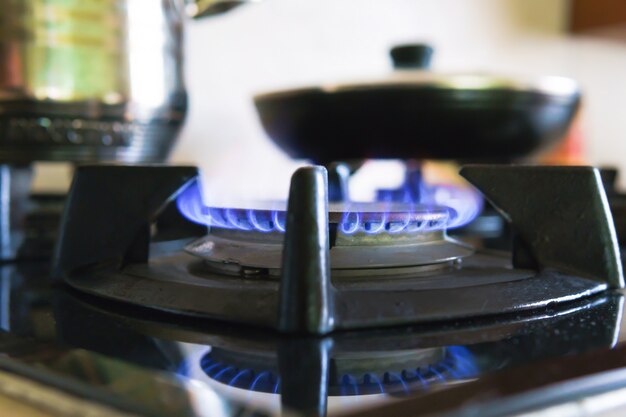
[463, 204]
[452, 207]
[458, 364]
[352, 222]
[191, 205]
[263, 381]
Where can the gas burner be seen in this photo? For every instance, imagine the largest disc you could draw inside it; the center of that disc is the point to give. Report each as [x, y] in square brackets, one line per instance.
[317, 278]
[367, 239]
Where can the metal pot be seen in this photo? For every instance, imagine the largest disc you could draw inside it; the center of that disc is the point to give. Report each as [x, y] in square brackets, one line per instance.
[93, 80]
[420, 114]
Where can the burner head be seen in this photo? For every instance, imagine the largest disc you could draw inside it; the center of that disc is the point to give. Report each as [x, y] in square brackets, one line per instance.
[377, 238]
[386, 238]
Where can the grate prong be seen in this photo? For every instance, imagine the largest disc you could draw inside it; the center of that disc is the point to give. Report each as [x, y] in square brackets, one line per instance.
[306, 301]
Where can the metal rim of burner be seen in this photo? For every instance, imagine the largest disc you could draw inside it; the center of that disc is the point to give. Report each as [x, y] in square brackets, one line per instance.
[353, 254]
[565, 249]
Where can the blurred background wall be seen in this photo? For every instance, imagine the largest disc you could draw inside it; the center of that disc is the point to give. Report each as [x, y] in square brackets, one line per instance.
[282, 43]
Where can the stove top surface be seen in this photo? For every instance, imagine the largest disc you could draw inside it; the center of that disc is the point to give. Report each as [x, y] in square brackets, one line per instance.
[295, 312]
[156, 363]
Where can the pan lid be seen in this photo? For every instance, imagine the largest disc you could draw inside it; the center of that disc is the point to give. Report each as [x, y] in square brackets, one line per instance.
[412, 62]
[548, 85]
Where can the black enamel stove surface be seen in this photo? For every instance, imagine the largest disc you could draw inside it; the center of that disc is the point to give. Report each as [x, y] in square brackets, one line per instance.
[151, 324]
[155, 363]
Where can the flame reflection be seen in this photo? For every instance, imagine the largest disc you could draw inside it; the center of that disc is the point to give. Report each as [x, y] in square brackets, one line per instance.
[458, 364]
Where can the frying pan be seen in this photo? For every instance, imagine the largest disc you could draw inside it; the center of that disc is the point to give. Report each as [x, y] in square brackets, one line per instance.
[420, 114]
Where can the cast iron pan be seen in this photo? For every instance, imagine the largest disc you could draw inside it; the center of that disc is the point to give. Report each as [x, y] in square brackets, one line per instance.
[420, 114]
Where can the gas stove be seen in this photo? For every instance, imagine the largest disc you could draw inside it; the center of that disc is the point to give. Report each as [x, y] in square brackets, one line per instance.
[316, 268]
[157, 304]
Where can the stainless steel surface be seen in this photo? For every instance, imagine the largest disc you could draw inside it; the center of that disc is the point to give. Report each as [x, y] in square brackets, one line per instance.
[92, 80]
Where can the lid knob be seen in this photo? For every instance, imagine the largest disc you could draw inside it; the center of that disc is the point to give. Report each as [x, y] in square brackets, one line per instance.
[411, 56]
